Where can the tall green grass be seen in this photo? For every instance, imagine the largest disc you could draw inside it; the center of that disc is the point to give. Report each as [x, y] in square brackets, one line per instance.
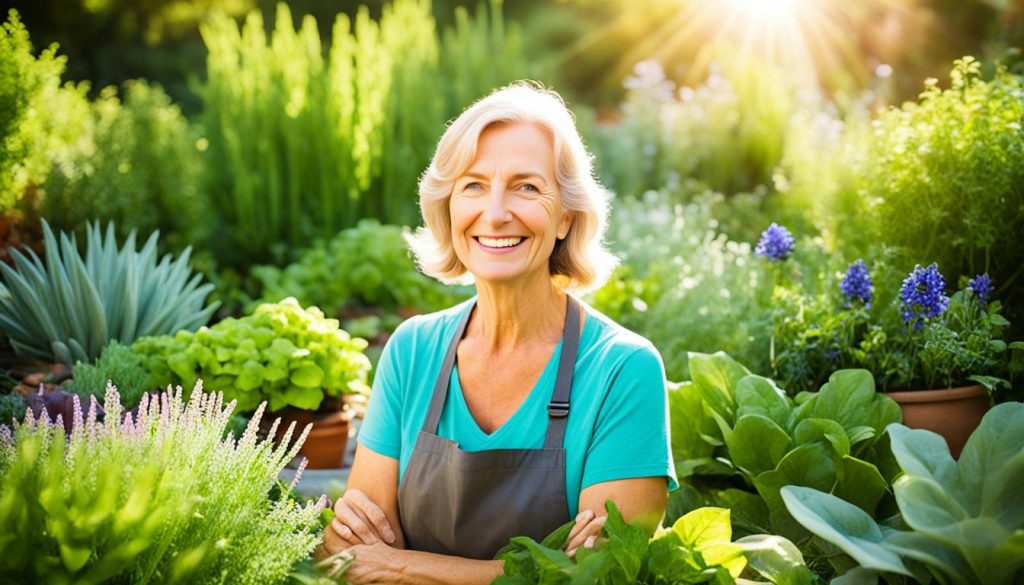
[305, 140]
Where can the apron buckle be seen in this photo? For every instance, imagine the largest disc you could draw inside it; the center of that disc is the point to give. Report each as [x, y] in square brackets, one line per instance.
[558, 409]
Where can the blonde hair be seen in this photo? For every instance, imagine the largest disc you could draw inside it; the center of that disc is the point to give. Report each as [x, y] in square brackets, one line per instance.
[580, 262]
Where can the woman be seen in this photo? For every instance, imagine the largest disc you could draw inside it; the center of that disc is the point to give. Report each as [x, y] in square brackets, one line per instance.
[515, 411]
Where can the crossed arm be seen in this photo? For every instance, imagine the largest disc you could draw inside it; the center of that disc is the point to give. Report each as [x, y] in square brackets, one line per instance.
[367, 525]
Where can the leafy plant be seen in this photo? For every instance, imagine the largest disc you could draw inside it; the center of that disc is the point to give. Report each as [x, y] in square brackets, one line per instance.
[961, 521]
[697, 549]
[159, 497]
[12, 407]
[913, 339]
[38, 117]
[738, 439]
[71, 307]
[684, 285]
[117, 365]
[138, 165]
[365, 266]
[282, 353]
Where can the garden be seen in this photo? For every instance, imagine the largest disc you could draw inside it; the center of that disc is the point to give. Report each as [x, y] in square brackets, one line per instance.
[818, 210]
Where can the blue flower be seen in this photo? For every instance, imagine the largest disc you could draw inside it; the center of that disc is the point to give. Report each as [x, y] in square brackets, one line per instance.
[921, 296]
[981, 286]
[856, 285]
[776, 243]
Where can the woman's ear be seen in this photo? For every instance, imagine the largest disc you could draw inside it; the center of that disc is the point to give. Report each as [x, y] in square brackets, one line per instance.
[565, 223]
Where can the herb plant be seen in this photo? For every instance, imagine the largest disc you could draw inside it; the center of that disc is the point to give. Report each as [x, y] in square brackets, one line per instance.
[117, 365]
[960, 521]
[69, 308]
[282, 353]
[698, 548]
[365, 266]
[12, 407]
[156, 497]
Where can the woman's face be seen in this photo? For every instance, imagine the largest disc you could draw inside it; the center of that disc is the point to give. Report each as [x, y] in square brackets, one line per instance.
[506, 208]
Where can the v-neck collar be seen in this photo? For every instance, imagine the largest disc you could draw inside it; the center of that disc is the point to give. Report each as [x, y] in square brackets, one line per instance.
[541, 392]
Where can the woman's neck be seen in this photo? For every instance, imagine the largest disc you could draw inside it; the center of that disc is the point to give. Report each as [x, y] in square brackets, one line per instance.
[508, 316]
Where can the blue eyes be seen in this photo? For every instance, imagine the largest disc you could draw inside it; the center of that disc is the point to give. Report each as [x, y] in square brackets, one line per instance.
[525, 187]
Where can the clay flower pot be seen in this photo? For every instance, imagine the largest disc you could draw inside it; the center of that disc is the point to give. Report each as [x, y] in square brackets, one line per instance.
[325, 445]
[953, 413]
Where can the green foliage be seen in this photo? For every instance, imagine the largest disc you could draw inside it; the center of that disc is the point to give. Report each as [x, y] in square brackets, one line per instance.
[963, 521]
[366, 266]
[12, 407]
[71, 307]
[684, 285]
[813, 334]
[943, 178]
[301, 145]
[137, 166]
[698, 548]
[749, 439]
[155, 498]
[37, 115]
[282, 353]
[117, 365]
[728, 134]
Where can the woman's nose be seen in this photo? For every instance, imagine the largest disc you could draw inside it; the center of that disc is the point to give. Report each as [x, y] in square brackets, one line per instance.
[497, 211]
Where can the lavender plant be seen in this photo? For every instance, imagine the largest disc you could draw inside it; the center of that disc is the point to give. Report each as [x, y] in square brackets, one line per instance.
[154, 497]
[776, 243]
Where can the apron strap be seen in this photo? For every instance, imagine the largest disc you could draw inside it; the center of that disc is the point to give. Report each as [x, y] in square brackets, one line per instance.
[558, 408]
[445, 376]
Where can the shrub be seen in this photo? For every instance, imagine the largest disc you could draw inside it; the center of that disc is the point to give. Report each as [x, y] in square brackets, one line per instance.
[117, 365]
[69, 309]
[684, 285]
[138, 166]
[368, 265]
[12, 407]
[328, 141]
[282, 353]
[152, 498]
[38, 117]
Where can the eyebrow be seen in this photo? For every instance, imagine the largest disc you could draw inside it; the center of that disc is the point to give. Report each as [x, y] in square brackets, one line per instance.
[523, 175]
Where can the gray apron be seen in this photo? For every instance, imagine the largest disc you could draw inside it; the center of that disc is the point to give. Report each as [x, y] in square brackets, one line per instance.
[469, 504]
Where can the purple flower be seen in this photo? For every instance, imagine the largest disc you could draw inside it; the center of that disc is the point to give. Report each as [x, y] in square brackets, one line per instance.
[921, 296]
[856, 285]
[776, 243]
[981, 286]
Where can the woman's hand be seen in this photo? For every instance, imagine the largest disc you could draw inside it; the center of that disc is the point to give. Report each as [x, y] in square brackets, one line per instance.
[357, 521]
[585, 532]
[374, 563]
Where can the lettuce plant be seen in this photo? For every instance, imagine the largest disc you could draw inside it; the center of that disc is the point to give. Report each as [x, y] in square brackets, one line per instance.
[155, 497]
[69, 308]
[738, 439]
[962, 521]
[698, 548]
[282, 353]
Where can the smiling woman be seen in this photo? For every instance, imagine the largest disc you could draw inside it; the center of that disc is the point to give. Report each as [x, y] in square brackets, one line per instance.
[523, 407]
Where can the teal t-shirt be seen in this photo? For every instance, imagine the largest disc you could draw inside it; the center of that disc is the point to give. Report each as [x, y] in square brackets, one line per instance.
[617, 427]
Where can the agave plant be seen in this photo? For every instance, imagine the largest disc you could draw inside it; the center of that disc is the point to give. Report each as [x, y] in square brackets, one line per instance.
[69, 308]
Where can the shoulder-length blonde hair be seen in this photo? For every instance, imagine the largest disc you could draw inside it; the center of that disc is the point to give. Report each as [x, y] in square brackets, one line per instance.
[580, 262]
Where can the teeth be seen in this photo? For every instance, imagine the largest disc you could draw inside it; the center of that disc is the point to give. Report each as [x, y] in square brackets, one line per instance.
[499, 242]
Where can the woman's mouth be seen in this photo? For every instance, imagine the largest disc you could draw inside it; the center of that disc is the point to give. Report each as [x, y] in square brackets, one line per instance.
[499, 244]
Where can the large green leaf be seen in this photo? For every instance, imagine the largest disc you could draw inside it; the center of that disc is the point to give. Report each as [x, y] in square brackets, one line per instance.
[808, 465]
[716, 376]
[776, 559]
[757, 444]
[860, 483]
[844, 525]
[992, 466]
[758, 395]
[924, 454]
[825, 430]
[849, 398]
[689, 423]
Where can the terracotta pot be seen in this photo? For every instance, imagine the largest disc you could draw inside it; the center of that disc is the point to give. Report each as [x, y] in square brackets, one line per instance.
[325, 445]
[953, 413]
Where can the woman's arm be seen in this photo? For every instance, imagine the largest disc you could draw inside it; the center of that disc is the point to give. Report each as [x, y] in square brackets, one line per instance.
[379, 563]
[368, 512]
[641, 501]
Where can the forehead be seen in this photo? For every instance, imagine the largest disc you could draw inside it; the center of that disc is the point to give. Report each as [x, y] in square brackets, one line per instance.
[518, 141]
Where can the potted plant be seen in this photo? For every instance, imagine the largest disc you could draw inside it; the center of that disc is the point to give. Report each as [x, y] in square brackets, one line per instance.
[939, 357]
[300, 362]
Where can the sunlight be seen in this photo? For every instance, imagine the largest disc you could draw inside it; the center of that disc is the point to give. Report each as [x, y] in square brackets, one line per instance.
[759, 9]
